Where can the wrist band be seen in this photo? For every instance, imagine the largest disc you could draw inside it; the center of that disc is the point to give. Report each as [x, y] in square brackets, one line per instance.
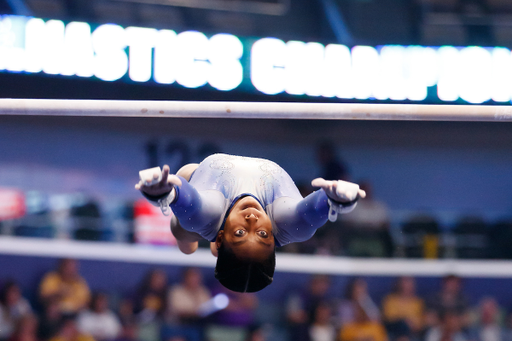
[166, 201]
[336, 207]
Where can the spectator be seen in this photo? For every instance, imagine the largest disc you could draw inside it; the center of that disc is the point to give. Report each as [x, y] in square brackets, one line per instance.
[356, 296]
[256, 333]
[321, 328]
[129, 332]
[301, 307]
[186, 298]
[507, 335]
[240, 310]
[152, 296]
[99, 321]
[449, 328]
[67, 286]
[487, 327]
[366, 228]
[125, 311]
[26, 329]
[50, 320]
[449, 298]
[68, 331]
[403, 306]
[13, 307]
[363, 327]
[331, 166]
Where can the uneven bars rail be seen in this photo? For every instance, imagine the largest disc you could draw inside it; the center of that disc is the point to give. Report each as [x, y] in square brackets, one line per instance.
[256, 110]
[311, 264]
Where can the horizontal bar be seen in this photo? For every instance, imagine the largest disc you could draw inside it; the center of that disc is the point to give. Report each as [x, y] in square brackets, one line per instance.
[285, 262]
[256, 110]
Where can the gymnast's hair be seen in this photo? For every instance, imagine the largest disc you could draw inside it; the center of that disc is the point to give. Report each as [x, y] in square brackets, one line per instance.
[244, 275]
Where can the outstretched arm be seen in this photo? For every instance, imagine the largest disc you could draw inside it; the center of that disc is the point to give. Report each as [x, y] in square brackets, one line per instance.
[193, 211]
[297, 219]
[342, 195]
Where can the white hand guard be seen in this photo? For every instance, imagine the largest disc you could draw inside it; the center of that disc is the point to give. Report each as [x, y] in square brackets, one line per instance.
[166, 201]
[336, 208]
[342, 195]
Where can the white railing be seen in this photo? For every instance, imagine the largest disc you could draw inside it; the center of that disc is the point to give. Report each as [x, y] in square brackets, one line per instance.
[255, 110]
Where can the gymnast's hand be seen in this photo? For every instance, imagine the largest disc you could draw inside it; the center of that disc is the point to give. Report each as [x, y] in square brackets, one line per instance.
[341, 191]
[150, 186]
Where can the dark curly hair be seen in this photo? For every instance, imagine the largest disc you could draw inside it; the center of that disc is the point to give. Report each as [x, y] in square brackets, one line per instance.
[244, 275]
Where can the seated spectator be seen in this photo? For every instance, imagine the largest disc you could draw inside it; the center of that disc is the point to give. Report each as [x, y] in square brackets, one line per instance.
[26, 329]
[449, 328]
[356, 295]
[240, 310]
[322, 329]
[449, 298]
[403, 306]
[487, 327]
[186, 298]
[363, 327]
[99, 321]
[256, 333]
[125, 311]
[152, 296]
[129, 332]
[50, 320]
[13, 307]
[67, 286]
[68, 331]
[301, 307]
[507, 333]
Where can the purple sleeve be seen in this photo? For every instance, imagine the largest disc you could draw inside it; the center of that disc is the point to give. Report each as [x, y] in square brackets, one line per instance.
[196, 211]
[298, 219]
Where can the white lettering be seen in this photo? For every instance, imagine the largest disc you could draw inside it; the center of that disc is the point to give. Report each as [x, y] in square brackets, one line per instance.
[501, 75]
[450, 73]
[267, 65]
[78, 57]
[365, 65]
[165, 58]
[53, 51]
[141, 42]
[224, 53]
[110, 62]
[194, 68]
[337, 78]
[476, 74]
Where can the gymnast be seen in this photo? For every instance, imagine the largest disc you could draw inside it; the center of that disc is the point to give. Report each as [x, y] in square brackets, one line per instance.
[246, 207]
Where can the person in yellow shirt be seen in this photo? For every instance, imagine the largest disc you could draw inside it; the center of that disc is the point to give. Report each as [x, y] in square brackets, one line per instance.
[362, 328]
[66, 286]
[68, 331]
[404, 306]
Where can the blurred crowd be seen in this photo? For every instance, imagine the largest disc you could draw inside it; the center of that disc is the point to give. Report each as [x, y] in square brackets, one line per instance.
[65, 309]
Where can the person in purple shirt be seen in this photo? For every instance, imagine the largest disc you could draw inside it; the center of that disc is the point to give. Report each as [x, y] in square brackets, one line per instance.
[246, 207]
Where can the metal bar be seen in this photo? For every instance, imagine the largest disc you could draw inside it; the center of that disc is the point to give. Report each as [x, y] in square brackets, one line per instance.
[312, 264]
[256, 110]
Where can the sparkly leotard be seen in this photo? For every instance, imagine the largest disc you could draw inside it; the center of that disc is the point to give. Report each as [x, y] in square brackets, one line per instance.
[220, 180]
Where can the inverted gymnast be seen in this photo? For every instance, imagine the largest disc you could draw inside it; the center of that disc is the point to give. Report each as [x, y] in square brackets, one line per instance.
[246, 207]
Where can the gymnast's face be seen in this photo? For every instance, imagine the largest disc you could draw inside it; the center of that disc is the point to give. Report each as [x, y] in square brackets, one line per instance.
[248, 230]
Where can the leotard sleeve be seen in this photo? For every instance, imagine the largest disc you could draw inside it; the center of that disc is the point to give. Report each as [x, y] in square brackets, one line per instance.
[197, 211]
[296, 220]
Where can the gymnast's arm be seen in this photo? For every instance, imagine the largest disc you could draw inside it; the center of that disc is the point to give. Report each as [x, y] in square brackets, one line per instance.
[196, 211]
[298, 219]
